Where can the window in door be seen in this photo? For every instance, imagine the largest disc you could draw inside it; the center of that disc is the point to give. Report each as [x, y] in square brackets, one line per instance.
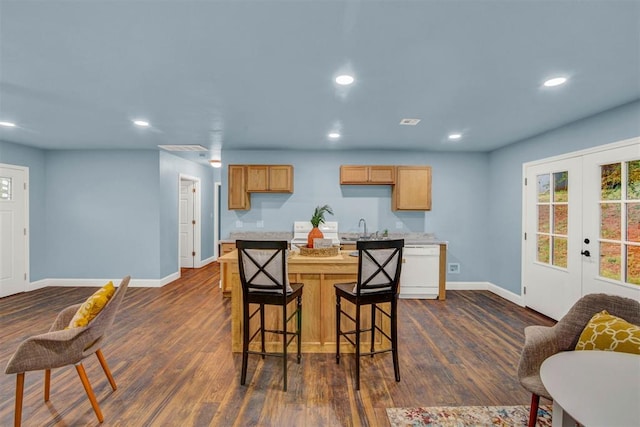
[553, 209]
[5, 188]
[619, 238]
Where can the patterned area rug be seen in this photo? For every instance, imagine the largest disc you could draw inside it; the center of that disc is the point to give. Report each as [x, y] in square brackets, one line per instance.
[462, 416]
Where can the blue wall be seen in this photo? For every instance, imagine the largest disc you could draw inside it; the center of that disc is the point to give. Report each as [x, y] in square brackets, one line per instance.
[459, 195]
[505, 181]
[107, 213]
[103, 214]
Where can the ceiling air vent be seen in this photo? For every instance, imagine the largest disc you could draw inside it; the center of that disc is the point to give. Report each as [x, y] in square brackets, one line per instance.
[409, 122]
[183, 147]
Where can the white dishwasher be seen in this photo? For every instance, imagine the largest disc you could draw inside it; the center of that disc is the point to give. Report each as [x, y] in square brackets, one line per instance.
[420, 274]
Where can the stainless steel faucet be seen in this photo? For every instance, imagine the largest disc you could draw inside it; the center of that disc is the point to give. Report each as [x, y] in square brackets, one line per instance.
[362, 220]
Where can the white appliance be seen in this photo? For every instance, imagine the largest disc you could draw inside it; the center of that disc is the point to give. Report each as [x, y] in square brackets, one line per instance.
[420, 274]
[301, 230]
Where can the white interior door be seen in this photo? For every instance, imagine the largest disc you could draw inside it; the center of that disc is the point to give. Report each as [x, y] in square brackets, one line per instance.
[187, 224]
[612, 221]
[552, 267]
[13, 230]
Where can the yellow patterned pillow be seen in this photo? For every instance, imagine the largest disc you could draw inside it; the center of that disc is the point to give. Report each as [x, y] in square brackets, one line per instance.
[607, 332]
[92, 306]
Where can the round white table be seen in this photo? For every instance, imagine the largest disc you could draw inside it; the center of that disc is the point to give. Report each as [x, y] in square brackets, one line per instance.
[595, 388]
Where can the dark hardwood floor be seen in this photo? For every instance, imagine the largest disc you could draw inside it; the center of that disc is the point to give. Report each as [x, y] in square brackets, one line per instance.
[169, 351]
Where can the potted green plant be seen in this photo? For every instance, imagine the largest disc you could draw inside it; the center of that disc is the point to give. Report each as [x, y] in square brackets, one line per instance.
[316, 220]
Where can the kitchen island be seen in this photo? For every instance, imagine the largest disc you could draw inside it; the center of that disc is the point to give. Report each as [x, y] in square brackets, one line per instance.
[318, 274]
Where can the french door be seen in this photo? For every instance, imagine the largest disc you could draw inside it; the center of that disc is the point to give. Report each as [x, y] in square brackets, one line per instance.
[582, 227]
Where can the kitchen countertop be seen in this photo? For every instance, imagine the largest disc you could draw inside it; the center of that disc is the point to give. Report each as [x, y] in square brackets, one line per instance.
[345, 238]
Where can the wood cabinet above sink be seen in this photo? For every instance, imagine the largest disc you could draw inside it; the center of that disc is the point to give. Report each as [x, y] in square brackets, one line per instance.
[367, 175]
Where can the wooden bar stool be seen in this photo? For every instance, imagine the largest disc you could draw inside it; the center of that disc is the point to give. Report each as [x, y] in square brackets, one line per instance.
[264, 279]
[379, 266]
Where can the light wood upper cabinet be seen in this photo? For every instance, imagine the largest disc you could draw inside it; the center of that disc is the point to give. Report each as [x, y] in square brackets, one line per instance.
[270, 178]
[238, 196]
[246, 179]
[367, 175]
[412, 191]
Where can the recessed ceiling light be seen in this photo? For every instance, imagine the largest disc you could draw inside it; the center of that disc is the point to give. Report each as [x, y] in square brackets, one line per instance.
[409, 122]
[8, 124]
[334, 135]
[215, 163]
[455, 136]
[556, 81]
[141, 123]
[344, 79]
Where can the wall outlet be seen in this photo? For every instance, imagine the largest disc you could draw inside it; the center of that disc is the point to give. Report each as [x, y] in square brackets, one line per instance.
[454, 268]
[239, 224]
[399, 224]
[260, 224]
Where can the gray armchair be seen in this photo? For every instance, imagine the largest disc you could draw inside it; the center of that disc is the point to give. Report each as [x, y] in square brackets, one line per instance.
[61, 347]
[541, 342]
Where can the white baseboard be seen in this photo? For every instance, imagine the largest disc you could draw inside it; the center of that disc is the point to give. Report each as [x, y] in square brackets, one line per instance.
[134, 283]
[486, 286]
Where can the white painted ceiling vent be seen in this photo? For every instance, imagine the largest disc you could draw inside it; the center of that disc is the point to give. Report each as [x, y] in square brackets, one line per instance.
[183, 147]
[409, 122]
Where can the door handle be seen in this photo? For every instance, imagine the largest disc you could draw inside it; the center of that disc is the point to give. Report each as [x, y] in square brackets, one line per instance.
[586, 253]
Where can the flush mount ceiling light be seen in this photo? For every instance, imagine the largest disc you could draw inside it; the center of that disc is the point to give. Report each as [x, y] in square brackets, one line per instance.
[141, 123]
[409, 122]
[556, 81]
[8, 124]
[183, 147]
[215, 163]
[454, 136]
[334, 135]
[344, 79]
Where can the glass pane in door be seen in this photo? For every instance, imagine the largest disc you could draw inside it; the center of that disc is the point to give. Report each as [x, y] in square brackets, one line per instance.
[610, 260]
[560, 219]
[560, 252]
[633, 222]
[633, 180]
[543, 219]
[561, 186]
[633, 264]
[543, 249]
[610, 221]
[544, 188]
[611, 181]
[5, 188]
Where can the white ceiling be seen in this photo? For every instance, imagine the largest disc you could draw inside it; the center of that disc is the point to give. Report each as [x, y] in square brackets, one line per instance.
[236, 74]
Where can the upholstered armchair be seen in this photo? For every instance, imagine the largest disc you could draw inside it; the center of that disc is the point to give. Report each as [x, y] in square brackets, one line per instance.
[63, 346]
[542, 342]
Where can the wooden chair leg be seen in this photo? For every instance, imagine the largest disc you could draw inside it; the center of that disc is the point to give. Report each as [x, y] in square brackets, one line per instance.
[87, 388]
[105, 368]
[262, 326]
[245, 344]
[357, 347]
[299, 325]
[373, 328]
[17, 420]
[338, 311]
[394, 339]
[47, 384]
[533, 412]
[284, 344]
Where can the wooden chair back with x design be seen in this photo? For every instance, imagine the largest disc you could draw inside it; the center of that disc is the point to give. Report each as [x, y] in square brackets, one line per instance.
[379, 266]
